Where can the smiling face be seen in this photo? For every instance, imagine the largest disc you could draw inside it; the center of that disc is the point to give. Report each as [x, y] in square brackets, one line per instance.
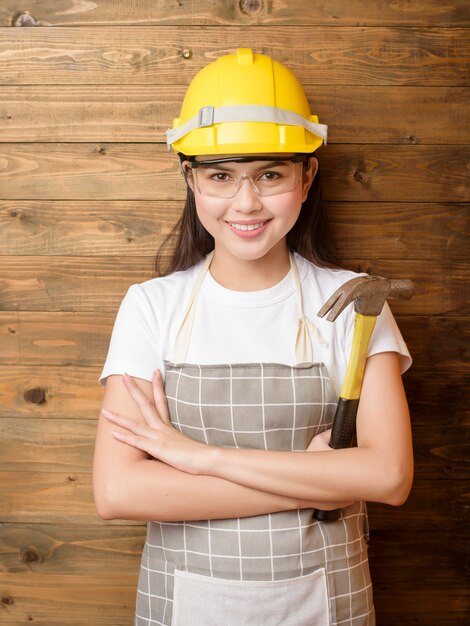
[250, 226]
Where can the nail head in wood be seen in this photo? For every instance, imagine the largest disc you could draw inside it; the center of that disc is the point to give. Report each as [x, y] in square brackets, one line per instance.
[24, 18]
[251, 7]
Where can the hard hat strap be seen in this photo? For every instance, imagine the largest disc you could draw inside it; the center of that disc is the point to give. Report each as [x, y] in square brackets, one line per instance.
[209, 115]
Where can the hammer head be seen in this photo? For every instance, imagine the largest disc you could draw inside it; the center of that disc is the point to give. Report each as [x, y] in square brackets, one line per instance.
[368, 293]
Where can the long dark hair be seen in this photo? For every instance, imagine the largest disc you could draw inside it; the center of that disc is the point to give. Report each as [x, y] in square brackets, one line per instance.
[189, 242]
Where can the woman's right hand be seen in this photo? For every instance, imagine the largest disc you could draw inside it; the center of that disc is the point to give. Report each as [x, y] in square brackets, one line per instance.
[321, 442]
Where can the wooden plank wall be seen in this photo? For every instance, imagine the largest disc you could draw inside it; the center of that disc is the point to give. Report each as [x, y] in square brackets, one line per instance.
[87, 191]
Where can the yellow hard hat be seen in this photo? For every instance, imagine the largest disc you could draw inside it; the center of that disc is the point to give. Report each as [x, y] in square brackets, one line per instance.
[245, 103]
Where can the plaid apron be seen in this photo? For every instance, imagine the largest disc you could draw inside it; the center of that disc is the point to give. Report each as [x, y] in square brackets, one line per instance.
[279, 569]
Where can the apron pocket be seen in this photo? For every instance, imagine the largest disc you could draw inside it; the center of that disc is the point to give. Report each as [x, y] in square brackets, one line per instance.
[205, 601]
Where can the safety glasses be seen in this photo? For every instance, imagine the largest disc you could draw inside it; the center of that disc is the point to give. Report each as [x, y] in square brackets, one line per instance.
[270, 176]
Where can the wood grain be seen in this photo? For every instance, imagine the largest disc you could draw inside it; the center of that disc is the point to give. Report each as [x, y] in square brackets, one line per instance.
[73, 338]
[88, 192]
[61, 392]
[170, 55]
[229, 12]
[414, 576]
[116, 171]
[86, 228]
[421, 603]
[433, 505]
[424, 338]
[69, 283]
[386, 230]
[70, 549]
[66, 445]
[37, 552]
[46, 497]
[54, 338]
[46, 445]
[99, 283]
[134, 113]
[437, 399]
[102, 599]
[66, 498]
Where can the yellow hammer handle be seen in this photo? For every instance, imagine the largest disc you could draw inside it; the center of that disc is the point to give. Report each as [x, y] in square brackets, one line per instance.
[363, 327]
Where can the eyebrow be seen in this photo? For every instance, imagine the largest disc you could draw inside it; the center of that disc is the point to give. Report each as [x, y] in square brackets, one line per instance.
[223, 167]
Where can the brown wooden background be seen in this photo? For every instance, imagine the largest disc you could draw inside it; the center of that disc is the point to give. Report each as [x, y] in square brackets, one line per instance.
[87, 190]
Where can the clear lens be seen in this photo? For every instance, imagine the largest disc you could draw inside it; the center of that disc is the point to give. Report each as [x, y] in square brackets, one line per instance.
[223, 180]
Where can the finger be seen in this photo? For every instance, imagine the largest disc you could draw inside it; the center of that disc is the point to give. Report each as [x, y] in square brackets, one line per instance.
[135, 441]
[159, 396]
[129, 424]
[146, 406]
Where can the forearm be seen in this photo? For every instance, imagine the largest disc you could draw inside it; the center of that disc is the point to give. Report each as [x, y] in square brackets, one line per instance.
[380, 469]
[350, 474]
[150, 490]
[127, 484]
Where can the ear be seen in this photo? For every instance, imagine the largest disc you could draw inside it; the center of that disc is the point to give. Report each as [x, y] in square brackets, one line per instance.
[185, 167]
[309, 174]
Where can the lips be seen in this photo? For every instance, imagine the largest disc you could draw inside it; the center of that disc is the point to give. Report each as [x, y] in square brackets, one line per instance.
[248, 228]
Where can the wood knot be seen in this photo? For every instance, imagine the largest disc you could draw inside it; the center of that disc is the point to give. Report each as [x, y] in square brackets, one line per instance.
[24, 18]
[359, 176]
[99, 150]
[35, 396]
[251, 7]
[12, 331]
[31, 556]
[411, 139]
[13, 213]
[7, 600]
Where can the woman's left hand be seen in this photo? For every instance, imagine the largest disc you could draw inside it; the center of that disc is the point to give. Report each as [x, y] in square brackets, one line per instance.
[157, 436]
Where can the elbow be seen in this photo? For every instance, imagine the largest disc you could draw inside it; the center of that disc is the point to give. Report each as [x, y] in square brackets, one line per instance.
[105, 501]
[398, 484]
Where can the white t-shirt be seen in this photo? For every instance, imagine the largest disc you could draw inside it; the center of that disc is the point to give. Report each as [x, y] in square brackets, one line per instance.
[239, 326]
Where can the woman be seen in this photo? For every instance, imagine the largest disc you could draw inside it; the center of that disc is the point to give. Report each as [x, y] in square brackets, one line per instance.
[218, 437]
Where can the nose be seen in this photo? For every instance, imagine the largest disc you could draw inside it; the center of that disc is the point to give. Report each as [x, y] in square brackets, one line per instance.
[246, 200]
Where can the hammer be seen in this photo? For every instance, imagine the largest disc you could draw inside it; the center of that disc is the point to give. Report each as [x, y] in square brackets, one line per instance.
[369, 294]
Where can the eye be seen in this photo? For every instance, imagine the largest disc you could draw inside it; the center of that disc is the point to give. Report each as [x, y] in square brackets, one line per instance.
[215, 176]
[270, 175]
[220, 177]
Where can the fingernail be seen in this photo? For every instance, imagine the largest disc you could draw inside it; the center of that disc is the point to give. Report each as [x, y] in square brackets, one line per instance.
[106, 413]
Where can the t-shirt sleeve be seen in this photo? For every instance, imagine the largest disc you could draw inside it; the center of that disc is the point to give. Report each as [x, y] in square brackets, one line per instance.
[133, 345]
[386, 337]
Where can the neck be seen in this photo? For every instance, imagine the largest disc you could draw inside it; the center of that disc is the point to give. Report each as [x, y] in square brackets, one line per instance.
[250, 275]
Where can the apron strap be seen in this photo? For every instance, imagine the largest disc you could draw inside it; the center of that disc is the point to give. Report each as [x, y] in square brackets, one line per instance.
[305, 328]
[303, 345]
[183, 337]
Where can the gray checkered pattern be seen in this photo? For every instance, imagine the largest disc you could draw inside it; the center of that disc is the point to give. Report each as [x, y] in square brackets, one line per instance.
[263, 406]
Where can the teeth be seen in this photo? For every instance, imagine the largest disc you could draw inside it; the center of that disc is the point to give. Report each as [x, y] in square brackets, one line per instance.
[246, 226]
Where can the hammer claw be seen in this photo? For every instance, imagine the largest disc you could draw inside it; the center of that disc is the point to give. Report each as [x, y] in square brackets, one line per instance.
[340, 299]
